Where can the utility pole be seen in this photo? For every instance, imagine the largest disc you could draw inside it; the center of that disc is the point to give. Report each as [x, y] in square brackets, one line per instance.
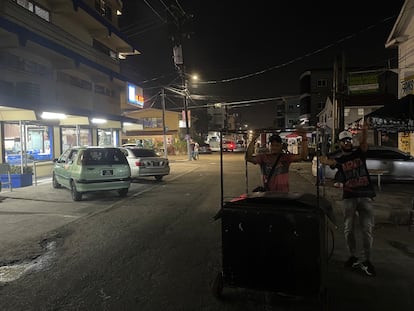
[179, 62]
[180, 18]
[334, 100]
[342, 95]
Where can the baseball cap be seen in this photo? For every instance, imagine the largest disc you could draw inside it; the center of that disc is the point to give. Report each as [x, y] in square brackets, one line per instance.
[276, 138]
[345, 135]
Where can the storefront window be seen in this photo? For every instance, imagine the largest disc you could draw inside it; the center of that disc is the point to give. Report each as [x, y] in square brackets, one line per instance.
[36, 141]
[108, 137]
[72, 136]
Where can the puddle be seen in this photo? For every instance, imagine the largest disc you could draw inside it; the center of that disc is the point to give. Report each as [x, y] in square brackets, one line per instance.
[13, 272]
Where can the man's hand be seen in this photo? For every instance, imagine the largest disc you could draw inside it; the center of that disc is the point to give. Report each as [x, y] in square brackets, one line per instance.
[255, 136]
[325, 160]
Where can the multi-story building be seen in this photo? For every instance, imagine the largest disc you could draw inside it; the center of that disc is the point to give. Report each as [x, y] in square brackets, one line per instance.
[287, 112]
[315, 87]
[60, 80]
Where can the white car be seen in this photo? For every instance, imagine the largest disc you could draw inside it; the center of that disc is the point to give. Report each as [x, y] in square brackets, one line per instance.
[396, 165]
[146, 163]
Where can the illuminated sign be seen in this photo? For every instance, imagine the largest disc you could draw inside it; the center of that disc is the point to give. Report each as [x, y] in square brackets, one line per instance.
[363, 82]
[135, 95]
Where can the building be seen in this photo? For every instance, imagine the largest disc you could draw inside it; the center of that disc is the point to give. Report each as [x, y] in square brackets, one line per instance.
[402, 112]
[287, 113]
[60, 81]
[149, 126]
[315, 87]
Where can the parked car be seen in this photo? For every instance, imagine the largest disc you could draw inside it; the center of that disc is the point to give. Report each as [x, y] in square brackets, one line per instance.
[87, 169]
[229, 145]
[240, 146]
[204, 148]
[397, 165]
[145, 163]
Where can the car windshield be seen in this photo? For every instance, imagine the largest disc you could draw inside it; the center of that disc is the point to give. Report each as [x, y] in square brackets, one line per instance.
[101, 156]
[140, 153]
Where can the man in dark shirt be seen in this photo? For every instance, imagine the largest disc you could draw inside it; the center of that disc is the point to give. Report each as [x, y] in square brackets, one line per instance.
[357, 196]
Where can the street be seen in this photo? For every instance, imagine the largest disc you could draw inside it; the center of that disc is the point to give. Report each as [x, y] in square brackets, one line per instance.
[160, 249]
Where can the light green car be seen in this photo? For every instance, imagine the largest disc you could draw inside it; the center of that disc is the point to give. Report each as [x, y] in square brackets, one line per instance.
[89, 169]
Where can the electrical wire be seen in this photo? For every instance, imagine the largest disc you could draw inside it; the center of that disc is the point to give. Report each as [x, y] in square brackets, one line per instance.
[317, 51]
[155, 11]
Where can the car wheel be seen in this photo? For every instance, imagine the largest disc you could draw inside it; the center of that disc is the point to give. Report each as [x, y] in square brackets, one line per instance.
[158, 177]
[123, 192]
[76, 196]
[55, 183]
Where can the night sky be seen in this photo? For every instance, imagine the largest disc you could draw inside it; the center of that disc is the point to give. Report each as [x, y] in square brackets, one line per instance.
[255, 49]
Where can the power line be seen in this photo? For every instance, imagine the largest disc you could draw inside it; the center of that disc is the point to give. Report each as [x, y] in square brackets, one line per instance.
[317, 51]
[155, 11]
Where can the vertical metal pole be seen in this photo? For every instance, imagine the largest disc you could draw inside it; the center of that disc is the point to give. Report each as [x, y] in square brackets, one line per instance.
[163, 121]
[77, 135]
[34, 173]
[334, 100]
[221, 171]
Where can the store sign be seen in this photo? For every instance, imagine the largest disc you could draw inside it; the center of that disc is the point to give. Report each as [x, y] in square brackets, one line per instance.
[407, 86]
[135, 95]
[363, 82]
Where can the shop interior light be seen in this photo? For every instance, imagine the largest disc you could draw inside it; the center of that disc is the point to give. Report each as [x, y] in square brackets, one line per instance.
[127, 123]
[98, 121]
[53, 115]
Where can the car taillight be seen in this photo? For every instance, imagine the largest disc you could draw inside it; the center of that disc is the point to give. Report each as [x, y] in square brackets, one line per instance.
[231, 146]
[139, 163]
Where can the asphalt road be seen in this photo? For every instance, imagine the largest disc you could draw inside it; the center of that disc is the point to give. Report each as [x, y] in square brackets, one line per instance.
[160, 249]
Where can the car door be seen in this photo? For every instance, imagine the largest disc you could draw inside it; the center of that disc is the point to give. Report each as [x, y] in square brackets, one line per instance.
[62, 167]
[401, 166]
[379, 160]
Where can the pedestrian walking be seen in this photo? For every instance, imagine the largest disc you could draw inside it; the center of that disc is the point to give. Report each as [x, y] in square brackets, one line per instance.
[196, 151]
[357, 194]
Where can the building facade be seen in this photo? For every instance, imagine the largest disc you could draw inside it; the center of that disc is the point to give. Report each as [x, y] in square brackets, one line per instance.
[60, 81]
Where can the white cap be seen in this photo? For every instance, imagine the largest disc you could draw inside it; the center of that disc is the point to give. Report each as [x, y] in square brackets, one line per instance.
[345, 134]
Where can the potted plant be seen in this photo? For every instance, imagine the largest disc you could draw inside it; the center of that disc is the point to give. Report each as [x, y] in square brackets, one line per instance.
[18, 178]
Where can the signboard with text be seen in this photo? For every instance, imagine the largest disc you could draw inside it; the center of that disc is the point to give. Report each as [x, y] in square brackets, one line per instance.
[135, 95]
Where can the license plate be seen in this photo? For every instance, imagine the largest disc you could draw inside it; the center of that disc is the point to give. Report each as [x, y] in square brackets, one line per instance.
[107, 172]
[156, 163]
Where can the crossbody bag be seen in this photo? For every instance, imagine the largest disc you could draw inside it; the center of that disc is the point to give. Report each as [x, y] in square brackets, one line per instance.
[266, 186]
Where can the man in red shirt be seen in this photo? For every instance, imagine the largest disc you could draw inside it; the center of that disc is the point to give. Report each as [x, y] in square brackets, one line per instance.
[279, 180]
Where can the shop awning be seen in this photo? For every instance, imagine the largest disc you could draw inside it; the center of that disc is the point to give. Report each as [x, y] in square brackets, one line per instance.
[16, 114]
[396, 117]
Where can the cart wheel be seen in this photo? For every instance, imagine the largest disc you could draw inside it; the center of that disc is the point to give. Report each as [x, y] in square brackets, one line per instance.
[217, 287]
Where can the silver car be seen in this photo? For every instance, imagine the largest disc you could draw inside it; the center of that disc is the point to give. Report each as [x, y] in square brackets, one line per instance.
[396, 165]
[146, 163]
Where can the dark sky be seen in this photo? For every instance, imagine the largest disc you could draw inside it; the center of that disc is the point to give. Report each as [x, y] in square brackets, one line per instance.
[262, 47]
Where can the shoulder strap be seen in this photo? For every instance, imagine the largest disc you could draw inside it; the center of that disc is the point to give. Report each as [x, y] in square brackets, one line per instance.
[271, 171]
